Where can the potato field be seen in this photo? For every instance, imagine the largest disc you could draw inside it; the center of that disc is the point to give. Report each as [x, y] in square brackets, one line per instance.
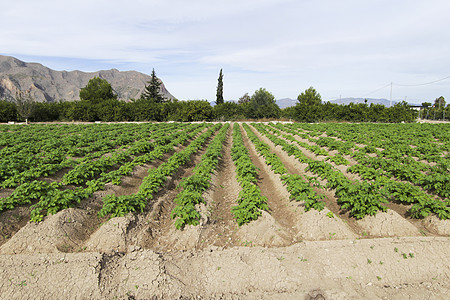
[225, 211]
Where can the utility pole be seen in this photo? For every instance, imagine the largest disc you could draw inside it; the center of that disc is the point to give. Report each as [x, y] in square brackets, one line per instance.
[390, 104]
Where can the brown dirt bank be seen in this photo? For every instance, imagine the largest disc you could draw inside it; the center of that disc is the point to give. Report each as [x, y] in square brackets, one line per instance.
[345, 269]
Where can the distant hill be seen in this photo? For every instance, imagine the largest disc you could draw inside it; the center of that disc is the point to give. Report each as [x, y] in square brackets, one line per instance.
[47, 85]
[213, 103]
[286, 102]
[347, 101]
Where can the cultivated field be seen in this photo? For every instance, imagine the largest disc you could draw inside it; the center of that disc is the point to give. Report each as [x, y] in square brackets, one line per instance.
[226, 210]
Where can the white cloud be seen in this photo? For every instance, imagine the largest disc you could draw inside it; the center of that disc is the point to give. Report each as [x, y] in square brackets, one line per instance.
[343, 48]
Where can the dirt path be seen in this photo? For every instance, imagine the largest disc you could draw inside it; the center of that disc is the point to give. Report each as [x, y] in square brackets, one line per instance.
[277, 195]
[357, 269]
[221, 227]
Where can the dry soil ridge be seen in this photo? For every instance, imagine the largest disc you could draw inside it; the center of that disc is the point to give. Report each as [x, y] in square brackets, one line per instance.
[345, 269]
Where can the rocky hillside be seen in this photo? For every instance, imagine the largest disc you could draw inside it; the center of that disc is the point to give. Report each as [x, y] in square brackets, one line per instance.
[47, 85]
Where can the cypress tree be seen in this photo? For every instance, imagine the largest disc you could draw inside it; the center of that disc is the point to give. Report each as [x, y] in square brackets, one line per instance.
[219, 94]
[151, 91]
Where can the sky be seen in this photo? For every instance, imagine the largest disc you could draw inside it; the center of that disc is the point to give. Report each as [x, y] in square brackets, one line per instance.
[342, 48]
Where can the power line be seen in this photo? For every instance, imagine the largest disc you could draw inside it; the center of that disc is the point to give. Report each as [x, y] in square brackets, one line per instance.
[376, 90]
[431, 82]
[398, 84]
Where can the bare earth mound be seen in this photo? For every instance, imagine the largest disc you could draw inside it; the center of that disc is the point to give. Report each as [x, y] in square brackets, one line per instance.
[316, 225]
[388, 224]
[62, 232]
[433, 224]
[111, 236]
[264, 231]
[346, 269]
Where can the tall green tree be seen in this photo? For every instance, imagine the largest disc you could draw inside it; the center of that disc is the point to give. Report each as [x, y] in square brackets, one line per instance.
[439, 102]
[82, 111]
[263, 105]
[244, 99]
[262, 97]
[97, 90]
[45, 112]
[152, 91]
[194, 110]
[219, 94]
[147, 110]
[228, 111]
[310, 97]
[8, 111]
[25, 105]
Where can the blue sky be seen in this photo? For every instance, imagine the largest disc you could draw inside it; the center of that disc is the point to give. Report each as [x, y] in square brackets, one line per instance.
[342, 48]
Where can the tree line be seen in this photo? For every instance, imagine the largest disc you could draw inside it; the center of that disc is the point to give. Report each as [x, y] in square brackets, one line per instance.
[436, 111]
[99, 103]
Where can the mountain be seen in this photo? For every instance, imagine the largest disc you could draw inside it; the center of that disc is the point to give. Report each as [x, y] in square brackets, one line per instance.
[47, 85]
[286, 102]
[347, 101]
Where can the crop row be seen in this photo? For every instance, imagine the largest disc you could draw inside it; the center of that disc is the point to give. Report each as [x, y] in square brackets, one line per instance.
[397, 191]
[414, 175]
[121, 205]
[250, 200]
[317, 150]
[299, 189]
[31, 159]
[395, 161]
[53, 197]
[430, 142]
[93, 168]
[359, 198]
[195, 185]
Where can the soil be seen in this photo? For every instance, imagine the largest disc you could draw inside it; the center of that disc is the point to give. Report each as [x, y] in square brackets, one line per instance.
[286, 254]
